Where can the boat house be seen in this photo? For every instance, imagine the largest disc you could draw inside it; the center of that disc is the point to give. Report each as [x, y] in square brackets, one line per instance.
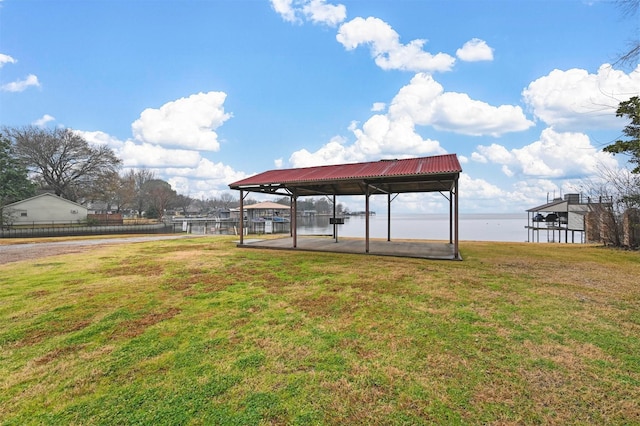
[560, 217]
[267, 218]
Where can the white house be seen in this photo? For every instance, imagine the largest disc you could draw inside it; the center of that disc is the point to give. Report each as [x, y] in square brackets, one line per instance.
[45, 208]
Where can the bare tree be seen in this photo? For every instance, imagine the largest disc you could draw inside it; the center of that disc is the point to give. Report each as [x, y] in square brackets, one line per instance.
[285, 201]
[160, 196]
[140, 180]
[611, 194]
[124, 194]
[322, 205]
[630, 9]
[61, 159]
[226, 200]
[183, 202]
[107, 189]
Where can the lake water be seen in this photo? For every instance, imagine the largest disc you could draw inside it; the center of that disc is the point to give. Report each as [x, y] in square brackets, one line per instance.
[473, 227]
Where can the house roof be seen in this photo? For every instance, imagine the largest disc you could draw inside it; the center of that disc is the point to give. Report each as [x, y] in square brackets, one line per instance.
[423, 174]
[46, 194]
[557, 205]
[267, 205]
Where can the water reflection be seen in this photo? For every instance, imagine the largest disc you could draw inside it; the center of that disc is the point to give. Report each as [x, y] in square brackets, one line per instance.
[314, 225]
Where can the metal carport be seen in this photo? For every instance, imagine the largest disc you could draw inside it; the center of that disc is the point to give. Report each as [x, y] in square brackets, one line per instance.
[388, 177]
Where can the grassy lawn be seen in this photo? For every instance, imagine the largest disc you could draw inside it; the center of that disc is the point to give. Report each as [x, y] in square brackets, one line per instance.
[200, 332]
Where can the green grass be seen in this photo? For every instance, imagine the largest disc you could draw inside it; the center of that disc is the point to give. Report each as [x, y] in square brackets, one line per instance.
[200, 332]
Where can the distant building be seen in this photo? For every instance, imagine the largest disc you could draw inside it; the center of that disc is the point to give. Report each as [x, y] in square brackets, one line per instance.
[266, 218]
[98, 207]
[45, 208]
[559, 217]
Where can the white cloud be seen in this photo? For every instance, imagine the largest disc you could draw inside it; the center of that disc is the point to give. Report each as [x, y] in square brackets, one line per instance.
[101, 138]
[495, 153]
[198, 188]
[507, 171]
[475, 50]
[425, 101]
[316, 11]
[382, 136]
[383, 40]
[42, 121]
[536, 189]
[21, 85]
[577, 100]
[218, 173]
[18, 85]
[422, 102]
[529, 193]
[555, 155]
[182, 186]
[278, 163]
[378, 106]
[146, 155]
[480, 195]
[187, 171]
[186, 122]
[378, 137]
[6, 59]
[479, 158]
[205, 180]
[386, 48]
[334, 152]
[285, 9]
[471, 189]
[457, 112]
[143, 155]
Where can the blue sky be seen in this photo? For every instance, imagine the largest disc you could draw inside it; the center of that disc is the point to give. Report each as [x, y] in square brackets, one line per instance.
[208, 92]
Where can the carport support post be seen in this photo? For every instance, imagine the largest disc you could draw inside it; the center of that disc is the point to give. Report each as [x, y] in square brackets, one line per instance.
[241, 217]
[335, 227]
[450, 218]
[455, 247]
[389, 217]
[294, 219]
[366, 220]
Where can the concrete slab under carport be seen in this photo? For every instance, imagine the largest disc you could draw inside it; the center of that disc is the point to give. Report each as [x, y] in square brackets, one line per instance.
[435, 250]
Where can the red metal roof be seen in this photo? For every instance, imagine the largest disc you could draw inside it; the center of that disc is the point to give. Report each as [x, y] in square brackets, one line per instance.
[422, 166]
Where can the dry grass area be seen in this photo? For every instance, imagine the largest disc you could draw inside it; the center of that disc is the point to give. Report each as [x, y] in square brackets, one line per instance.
[200, 332]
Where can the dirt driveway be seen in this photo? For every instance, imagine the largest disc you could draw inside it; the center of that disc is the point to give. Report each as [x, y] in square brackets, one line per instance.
[12, 252]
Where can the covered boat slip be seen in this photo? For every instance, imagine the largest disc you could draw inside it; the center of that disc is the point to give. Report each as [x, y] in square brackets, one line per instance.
[385, 177]
[563, 215]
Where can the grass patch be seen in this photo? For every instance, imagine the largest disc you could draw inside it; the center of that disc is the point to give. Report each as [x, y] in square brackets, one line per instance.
[200, 332]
